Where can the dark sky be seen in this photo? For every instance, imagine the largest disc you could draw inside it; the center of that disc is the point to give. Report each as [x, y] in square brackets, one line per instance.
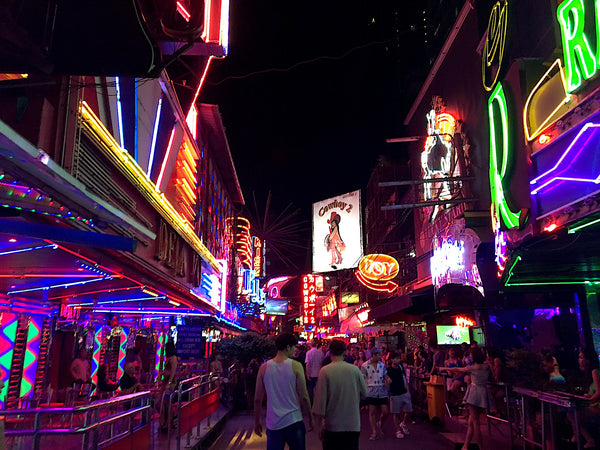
[308, 93]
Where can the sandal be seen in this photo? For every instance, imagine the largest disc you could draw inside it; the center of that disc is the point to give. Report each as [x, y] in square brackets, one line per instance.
[373, 437]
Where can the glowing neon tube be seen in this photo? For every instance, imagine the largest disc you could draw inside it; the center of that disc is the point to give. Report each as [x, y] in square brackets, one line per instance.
[160, 343]
[96, 353]
[32, 351]
[122, 345]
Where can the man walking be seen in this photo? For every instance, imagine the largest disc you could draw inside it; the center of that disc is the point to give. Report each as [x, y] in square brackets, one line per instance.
[374, 372]
[337, 401]
[281, 379]
[314, 361]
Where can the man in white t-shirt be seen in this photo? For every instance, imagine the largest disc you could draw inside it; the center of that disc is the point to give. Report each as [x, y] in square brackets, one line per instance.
[314, 360]
[337, 401]
[281, 379]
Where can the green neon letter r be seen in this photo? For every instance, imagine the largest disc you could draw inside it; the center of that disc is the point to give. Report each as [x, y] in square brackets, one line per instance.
[576, 47]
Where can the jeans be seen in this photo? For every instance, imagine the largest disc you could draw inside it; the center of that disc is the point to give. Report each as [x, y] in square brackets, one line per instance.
[311, 383]
[340, 440]
[294, 435]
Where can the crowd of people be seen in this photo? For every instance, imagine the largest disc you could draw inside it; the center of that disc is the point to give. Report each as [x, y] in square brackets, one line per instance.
[338, 380]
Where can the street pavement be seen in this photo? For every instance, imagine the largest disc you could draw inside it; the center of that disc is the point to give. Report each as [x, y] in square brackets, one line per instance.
[238, 434]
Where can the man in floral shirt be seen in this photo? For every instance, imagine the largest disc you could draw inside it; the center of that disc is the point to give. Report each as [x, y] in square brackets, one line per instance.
[377, 397]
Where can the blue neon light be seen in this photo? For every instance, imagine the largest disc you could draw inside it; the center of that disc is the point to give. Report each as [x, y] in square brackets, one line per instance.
[28, 249]
[154, 136]
[45, 288]
[119, 111]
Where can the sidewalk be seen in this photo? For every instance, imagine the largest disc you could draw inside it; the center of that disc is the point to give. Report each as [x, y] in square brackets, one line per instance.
[238, 435]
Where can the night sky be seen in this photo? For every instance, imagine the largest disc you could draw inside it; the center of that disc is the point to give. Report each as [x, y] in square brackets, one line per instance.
[308, 94]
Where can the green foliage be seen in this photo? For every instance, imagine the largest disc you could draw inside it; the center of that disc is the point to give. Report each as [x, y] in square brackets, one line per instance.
[247, 346]
[526, 369]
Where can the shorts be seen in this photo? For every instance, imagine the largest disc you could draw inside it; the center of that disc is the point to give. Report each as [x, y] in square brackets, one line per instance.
[376, 401]
[400, 403]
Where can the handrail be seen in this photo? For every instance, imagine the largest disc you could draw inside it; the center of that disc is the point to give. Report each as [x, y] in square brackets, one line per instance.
[79, 408]
[197, 382]
[91, 420]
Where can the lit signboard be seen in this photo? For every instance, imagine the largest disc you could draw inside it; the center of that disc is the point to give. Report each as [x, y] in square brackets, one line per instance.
[568, 171]
[337, 233]
[454, 258]
[377, 271]
[329, 305]
[258, 256]
[350, 298]
[309, 300]
[438, 158]
[212, 286]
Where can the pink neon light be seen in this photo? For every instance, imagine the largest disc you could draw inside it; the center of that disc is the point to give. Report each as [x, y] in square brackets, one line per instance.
[210, 58]
[573, 159]
[207, 22]
[166, 158]
[184, 12]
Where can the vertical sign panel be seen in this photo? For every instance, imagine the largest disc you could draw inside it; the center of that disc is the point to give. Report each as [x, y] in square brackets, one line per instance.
[8, 333]
[32, 350]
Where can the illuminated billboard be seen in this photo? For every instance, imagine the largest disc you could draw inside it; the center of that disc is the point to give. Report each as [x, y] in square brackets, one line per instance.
[337, 233]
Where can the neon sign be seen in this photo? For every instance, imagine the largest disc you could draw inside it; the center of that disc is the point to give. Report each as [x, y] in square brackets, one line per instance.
[258, 256]
[309, 300]
[376, 271]
[547, 101]
[8, 334]
[32, 350]
[362, 313]
[437, 159]
[329, 305]
[580, 61]
[581, 150]
[493, 53]
[454, 258]
[464, 322]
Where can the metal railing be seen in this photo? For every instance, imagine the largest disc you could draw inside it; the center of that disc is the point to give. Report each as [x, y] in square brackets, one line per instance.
[189, 390]
[97, 424]
[549, 403]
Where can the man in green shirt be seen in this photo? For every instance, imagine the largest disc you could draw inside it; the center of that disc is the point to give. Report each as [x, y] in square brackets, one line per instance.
[340, 388]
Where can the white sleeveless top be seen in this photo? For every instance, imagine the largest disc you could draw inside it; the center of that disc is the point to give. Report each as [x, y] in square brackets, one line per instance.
[283, 406]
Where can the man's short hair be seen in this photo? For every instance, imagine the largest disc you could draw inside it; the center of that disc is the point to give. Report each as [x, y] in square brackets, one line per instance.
[391, 355]
[337, 347]
[284, 340]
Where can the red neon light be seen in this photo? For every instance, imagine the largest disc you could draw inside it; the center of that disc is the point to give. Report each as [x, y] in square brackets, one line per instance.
[166, 158]
[309, 300]
[464, 322]
[544, 139]
[550, 227]
[184, 12]
[376, 272]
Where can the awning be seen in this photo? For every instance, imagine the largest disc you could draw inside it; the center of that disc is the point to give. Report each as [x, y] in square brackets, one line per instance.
[23, 160]
[390, 308]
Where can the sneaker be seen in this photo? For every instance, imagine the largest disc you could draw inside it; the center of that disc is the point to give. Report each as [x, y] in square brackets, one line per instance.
[399, 434]
[404, 429]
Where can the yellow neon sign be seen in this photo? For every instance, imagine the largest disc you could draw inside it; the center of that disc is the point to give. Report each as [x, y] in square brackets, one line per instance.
[551, 88]
[130, 168]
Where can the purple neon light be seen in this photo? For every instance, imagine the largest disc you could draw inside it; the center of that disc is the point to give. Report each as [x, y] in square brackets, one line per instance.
[557, 173]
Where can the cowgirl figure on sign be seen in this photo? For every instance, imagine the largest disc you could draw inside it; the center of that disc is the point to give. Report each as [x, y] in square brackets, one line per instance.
[333, 240]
